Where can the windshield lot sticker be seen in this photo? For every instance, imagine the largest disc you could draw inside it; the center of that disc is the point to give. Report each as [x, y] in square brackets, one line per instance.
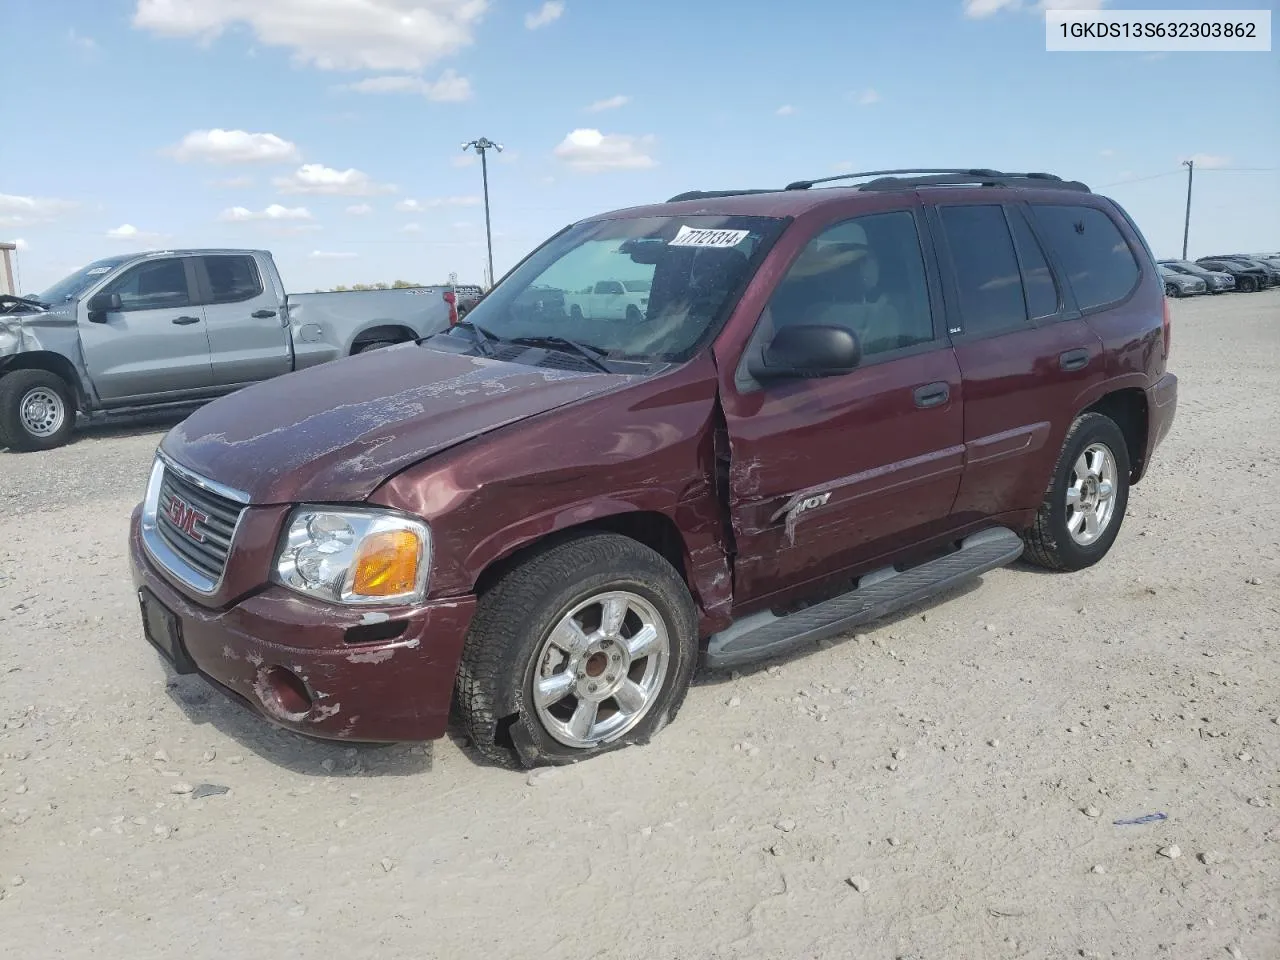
[96, 271]
[696, 237]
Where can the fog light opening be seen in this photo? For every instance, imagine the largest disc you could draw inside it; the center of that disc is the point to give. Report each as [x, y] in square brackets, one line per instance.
[284, 693]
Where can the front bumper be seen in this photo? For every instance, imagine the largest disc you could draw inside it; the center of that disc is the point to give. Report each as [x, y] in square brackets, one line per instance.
[393, 690]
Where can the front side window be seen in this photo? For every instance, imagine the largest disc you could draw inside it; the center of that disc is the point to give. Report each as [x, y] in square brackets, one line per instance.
[866, 275]
[986, 269]
[1099, 265]
[232, 278]
[153, 285]
[648, 289]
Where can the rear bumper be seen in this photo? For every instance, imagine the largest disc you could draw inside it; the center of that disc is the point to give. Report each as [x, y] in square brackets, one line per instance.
[1162, 405]
[392, 690]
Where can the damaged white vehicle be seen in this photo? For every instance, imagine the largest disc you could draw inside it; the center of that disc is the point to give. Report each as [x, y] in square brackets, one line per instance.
[177, 328]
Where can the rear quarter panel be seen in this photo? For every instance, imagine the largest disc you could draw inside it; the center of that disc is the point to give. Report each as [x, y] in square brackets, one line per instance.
[325, 325]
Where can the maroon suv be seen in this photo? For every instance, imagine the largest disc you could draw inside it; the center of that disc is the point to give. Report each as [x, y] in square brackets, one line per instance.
[833, 402]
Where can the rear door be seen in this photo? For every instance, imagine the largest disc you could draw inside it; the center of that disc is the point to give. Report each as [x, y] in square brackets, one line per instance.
[155, 347]
[1026, 354]
[829, 473]
[248, 328]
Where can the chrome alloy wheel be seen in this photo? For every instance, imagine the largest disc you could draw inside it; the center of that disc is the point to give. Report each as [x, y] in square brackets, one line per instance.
[1091, 498]
[42, 412]
[600, 670]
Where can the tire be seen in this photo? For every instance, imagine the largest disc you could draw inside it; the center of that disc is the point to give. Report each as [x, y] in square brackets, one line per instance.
[37, 410]
[510, 646]
[1171, 291]
[575, 313]
[633, 314]
[1247, 285]
[373, 345]
[1051, 542]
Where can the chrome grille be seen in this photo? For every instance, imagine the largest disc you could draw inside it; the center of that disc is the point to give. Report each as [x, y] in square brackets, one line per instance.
[212, 524]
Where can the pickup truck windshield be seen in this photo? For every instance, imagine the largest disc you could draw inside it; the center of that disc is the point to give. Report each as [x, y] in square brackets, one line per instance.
[649, 289]
[80, 281]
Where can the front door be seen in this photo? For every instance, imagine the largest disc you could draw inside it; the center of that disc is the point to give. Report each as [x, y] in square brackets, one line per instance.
[248, 336]
[155, 346]
[828, 474]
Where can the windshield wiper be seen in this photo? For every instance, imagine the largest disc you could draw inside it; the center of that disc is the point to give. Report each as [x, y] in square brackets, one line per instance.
[482, 337]
[592, 354]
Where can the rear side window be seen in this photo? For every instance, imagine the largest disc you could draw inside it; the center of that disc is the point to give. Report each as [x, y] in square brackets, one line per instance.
[1099, 265]
[1037, 279]
[153, 285]
[986, 269]
[232, 278]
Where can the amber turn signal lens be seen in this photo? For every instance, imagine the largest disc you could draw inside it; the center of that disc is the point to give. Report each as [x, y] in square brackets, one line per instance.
[387, 564]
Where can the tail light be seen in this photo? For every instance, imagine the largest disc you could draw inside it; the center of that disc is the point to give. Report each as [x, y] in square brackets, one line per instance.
[451, 299]
[1168, 329]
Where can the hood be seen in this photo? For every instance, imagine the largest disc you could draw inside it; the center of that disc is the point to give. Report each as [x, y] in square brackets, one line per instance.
[334, 432]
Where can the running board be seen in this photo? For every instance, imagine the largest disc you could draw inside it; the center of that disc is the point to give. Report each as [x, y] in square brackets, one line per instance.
[880, 593]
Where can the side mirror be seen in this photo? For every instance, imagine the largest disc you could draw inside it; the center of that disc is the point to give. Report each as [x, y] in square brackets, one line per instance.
[808, 350]
[101, 304]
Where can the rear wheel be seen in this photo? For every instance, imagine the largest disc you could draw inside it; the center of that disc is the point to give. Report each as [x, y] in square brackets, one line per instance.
[374, 345]
[584, 648]
[1085, 504]
[575, 312]
[633, 314]
[37, 410]
[1247, 284]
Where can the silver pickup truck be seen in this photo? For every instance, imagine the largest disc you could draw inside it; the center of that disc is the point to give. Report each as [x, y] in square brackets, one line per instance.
[177, 328]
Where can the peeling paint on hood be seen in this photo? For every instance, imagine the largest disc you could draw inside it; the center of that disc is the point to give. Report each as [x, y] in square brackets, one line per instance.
[335, 432]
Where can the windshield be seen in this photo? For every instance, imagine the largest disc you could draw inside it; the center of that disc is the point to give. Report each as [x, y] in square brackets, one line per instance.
[70, 287]
[650, 289]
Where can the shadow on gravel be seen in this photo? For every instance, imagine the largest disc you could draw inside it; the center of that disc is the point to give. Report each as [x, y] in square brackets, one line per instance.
[712, 678]
[205, 704]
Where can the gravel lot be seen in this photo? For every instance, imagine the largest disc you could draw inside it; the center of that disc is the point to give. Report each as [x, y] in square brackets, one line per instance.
[944, 785]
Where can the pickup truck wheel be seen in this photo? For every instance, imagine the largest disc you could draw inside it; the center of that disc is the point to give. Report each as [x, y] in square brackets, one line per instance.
[585, 648]
[1084, 507]
[37, 410]
[575, 313]
[633, 314]
[374, 345]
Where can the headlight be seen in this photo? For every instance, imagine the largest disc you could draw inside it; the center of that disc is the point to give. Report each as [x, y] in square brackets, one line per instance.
[355, 556]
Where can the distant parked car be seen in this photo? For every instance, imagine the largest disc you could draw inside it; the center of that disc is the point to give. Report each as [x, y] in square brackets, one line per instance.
[1272, 270]
[1181, 284]
[466, 298]
[1248, 279]
[1215, 281]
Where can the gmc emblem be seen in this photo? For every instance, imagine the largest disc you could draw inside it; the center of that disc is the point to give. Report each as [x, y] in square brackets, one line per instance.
[185, 517]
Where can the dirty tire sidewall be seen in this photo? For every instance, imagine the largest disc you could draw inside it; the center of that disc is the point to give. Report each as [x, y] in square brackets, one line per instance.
[375, 345]
[519, 611]
[1049, 543]
[13, 432]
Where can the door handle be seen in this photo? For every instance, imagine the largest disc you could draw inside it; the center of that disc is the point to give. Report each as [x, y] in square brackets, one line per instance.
[262, 314]
[931, 395]
[1074, 359]
[185, 321]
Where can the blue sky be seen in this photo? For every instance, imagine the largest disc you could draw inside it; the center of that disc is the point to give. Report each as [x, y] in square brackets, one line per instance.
[329, 132]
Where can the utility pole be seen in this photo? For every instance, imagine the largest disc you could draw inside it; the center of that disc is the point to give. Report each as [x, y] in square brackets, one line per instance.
[482, 146]
[1186, 226]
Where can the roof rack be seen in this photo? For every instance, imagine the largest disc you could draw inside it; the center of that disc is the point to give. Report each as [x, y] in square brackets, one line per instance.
[946, 177]
[713, 194]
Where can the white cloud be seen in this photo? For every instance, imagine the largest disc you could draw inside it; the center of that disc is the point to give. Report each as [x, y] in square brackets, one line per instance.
[418, 206]
[844, 166]
[334, 35]
[128, 232]
[317, 178]
[978, 9]
[464, 160]
[359, 209]
[87, 44]
[609, 103]
[234, 146]
[15, 210]
[1106, 152]
[867, 97]
[449, 88]
[331, 255]
[411, 228]
[1207, 161]
[273, 212]
[232, 183]
[549, 12]
[785, 110]
[591, 151]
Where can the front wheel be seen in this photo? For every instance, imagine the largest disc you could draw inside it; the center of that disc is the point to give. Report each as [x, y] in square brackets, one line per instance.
[584, 648]
[37, 410]
[1085, 504]
[1171, 291]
